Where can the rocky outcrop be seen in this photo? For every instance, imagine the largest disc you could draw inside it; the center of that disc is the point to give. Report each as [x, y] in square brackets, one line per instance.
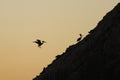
[96, 57]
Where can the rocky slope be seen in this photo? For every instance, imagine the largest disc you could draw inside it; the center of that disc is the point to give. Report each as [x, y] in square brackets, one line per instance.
[96, 57]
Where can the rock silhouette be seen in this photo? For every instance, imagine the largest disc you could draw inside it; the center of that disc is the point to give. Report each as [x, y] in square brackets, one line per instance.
[96, 57]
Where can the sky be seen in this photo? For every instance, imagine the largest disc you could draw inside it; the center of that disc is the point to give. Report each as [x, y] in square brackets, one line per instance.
[58, 22]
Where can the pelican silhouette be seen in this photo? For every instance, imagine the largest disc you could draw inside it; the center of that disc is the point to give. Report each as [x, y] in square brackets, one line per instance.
[79, 38]
[39, 42]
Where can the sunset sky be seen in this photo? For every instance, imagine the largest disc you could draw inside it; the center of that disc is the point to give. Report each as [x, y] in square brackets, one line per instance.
[58, 22]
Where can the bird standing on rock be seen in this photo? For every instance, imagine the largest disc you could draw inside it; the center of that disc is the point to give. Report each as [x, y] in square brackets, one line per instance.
[39, 42]
[79, 38]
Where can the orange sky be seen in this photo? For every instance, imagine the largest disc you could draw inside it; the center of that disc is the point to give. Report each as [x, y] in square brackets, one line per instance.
[58, 22]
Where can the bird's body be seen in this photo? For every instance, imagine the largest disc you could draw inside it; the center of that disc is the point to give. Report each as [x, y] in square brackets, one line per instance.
[39, 42]
[79, 38]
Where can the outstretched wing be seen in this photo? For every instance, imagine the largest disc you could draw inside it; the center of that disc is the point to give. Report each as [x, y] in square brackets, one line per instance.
[38, 41]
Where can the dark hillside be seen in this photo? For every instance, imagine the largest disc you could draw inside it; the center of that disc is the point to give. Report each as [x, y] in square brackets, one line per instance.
[96, 57]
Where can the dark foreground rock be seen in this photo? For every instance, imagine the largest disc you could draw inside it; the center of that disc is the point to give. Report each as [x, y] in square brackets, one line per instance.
[96, 57]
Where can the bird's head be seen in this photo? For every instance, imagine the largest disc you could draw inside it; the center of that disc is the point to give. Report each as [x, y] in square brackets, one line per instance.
[43, 41]
[80, 34]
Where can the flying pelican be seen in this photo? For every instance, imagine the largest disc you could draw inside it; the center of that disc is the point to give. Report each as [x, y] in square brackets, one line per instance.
[79, 38]
[39, 42]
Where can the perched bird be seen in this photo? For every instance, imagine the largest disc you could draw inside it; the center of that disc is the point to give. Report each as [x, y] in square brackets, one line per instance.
[79, 38]
[39, 42]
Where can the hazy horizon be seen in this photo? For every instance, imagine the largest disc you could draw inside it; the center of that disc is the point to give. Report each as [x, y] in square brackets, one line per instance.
[58, 22]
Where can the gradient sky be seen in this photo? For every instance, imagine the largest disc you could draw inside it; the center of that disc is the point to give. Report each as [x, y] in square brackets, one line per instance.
[58, 22]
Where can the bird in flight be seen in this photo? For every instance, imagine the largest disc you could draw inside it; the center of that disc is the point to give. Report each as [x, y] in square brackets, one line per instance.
[79, 38]
[39, 42]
